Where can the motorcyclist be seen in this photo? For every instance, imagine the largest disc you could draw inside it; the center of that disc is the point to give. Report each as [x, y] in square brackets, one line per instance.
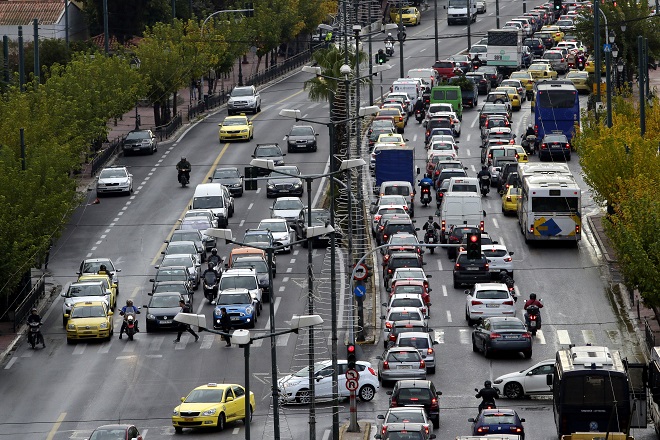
[532, 301]
[214, 258]
[426, 182]
[476, 61]
[210, 268]
[389, 39]
[426, 96]
[483, 173]
[530, 131]
[34, 318]
[128, 308]
[184, 167]
[419, 106]
[431, 224]
[488, 394]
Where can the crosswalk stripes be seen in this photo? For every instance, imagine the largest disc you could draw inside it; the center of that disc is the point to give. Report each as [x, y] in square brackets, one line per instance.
[563, 337]
[540, 337]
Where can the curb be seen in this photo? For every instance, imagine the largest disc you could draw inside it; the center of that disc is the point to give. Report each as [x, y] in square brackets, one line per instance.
[365, 431]
[599, 241]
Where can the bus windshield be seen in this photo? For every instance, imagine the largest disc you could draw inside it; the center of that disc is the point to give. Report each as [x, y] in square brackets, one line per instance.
[556, 98]
[588, 390]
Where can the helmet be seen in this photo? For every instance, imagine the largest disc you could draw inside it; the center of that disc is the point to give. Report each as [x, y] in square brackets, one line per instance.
[430, 218]
[129, 302]
[532, 295]
[214, 251]
[484, 167]
[211, 265]
[389, 34]
[487, 384]
[33, 310]
[102, 267]
[183, 157]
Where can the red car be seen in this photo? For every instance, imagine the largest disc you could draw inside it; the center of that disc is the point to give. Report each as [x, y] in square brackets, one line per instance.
[413, 286]
[446, 68]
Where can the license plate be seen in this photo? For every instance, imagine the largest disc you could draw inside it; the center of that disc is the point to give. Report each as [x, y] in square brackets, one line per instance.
[404, 367]
[136, 148]
[284, 190]
[234, 319]
[492, 305]
[532, 324]
[472, 268]
[166, 321]
[188, 419]
[510, 336]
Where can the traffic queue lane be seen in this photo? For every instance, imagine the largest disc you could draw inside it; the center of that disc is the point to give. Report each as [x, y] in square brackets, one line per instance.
[87, 386]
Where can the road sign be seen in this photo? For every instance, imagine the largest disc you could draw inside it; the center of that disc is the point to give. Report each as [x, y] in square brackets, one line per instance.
[351, 374]
[360, 291]
[607, 48]
[361, 272]
[352, 385]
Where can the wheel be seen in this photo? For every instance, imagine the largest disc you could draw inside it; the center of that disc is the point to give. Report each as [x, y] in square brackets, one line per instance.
[487, 352]
[367, 393]
[513, 390]
[432, 250]
[130, 336]
[178, 430]
[436, 422]
[253, 323]
[64, 320]
[456, 284]
[247, 420]
[430, 370]
[470, 322]
[474, 346]
[69, 341]
[528, 354]
[303, 396]
[221, 422]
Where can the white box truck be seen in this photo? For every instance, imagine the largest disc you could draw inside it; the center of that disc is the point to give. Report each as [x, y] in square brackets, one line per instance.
[460, 208]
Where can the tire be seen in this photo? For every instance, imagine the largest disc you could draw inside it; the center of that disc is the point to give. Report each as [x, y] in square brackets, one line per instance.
[474, 346]
[436, 422]
[69, 341]
[150, 328]
[513, 390]
[487, 353]
[64, 321]
[178, 430]
[303, 396]
[457, 285]
[367, 393]
[430, 370]
[221, 422]
[528, 354]
[245, 419]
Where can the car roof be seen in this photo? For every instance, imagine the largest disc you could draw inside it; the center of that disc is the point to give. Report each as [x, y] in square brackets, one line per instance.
[414, 335]
[413, 383]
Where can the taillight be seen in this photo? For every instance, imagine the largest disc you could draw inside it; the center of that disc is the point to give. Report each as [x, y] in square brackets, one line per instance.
[393, 403]
[508, 303]
[389, 270]
[429, 351]
[508, 259]
[372, 371]
[544, 146]
[577, 229]
[516, 429]
[383, 429]
[434, 403]
[457, 266]
[443, 226]
[486, 267]
[568, 146]
[495, 335]
[476, 303]
[386, 365]
[483, 429]
[422, 364]
[388, 325]
[377, 217]
[508, 198]
[527, 335]
[562, 60]
[392, 337]
[481, 226]
[405, 208]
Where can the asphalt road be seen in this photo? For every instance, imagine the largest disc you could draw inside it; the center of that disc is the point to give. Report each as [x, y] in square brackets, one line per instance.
[65, 391]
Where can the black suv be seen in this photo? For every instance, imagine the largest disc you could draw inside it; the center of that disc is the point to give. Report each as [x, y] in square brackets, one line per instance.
[401, 259]
[270, 152]
[536, 45]
[468, 271]
[507, 169]
[494, 75]
[301, 137]
[555, 144]
[455, 236]
[414, 392]
[395, 225]
[438, 122]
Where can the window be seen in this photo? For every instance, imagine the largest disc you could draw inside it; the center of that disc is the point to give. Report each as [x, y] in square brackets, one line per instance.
[238, 391]
[502, 38]
[556, 98]
[555, 204]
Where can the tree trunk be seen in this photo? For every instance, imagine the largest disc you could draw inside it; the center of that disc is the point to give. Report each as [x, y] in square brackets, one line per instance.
[157, 114]
[174, 104]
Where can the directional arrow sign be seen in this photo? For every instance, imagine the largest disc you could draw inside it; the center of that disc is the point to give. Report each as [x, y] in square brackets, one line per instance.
[351, 374]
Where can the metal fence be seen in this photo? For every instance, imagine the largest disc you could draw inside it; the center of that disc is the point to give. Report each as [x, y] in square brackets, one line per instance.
[209, 102]
[280, 69]
[649, 336]
[30, 300]
[165, 131]
[196, 109]
[104, 155]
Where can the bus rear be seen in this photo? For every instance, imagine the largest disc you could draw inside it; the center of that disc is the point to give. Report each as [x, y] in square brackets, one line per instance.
[556, 108]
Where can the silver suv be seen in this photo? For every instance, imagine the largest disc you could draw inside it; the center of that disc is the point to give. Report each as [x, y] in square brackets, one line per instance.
[557, 60]
[244, 99]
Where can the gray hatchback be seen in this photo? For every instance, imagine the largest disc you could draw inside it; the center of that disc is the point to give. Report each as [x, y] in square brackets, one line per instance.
[399, 363]
[502, 334]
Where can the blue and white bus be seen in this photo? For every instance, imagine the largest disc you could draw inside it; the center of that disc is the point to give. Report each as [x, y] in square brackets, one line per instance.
[556, 109]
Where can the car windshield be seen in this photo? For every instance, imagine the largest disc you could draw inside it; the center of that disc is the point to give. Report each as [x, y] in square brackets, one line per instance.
[186, 236]
[238, 282]
[383, 211]
[234, 121]
[247, 91]
[234, 298]
[133, 135]
[409, 289]
[402, 356]
[257, 238]
[225, 174]
[406, 416]
[479, 49]
[180, 248]
[507, 325]
[397, 190]
[405, 316]
[171, 275]
[403, 239]
[288, 204]
[196, 224]
[409, 273]
[110, 173]
[177, 261]
[492, 294]
[320, 217]
[387, 138]
[392, 200]
[287, 170]
[494, 252]
[258, 265]
[82, 290]
[164, 301]
[408, 11]
[179, 288]
[112, 434]
[95, 266]
[268, 151]
[205, 396]
[406, 302]
[273, 226]
[414, 342]
[301, 131]
[499, 419]
[88, 312]
[207, 202]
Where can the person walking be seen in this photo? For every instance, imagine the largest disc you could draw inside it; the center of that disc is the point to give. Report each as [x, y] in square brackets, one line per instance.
[185, 327]
[225, 324]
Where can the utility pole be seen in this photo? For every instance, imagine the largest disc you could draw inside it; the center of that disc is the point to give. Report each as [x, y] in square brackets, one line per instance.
[66, 24]
[106, 32]
[37, 69]
[21, 60]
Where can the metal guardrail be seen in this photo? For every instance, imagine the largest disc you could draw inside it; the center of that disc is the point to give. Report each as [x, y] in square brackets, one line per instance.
[30, 300]
[649, 336]
[165, 131]
[275, 71]
[104, 155]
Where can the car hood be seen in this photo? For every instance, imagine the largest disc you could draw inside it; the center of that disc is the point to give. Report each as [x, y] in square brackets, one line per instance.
[227, 181]
[108, 180]
[88, 321]
[276, 159]
[308, 138]
[284, 180]
[136, 141]
[286, 213]
[290, 380]
[280, 235]
[239, 308]
[77, 299]
[247, 98]
[168, 311]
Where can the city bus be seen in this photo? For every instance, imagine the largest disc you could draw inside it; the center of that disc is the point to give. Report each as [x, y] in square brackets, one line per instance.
[556, 108]
[526, 169]
[505, 49]
[590, 390]
[549, 208]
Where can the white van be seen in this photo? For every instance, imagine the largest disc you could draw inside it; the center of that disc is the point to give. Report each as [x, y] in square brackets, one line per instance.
[411, 86]
[460, 208]
[463, 184]
[211, 196]
[427, 75]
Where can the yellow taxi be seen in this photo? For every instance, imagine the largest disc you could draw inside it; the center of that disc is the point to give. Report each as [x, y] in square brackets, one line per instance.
[514, 97]
[510, 200]
[409, 15]
[107, 283]
[521, 154]
[557, 34]
[542, 71]
[89, 320]
[392, 139]
[399, 120]
[590, 65]
[236, 127]
[580, 80]
[212, 406]
[525, 78]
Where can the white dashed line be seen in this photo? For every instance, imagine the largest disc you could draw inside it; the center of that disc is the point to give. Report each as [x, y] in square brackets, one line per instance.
[448, 316]
[258, 190]
[99, 242]
[296, 252]
[468, 152]
[10, 363]
[440, 265]
[250, 206]
[89, 255]
[282, 288]
[124, 208]
[563, 337]
[241, 223]
[289, 269]
[285, 279]
[153, 169]
[128, 203]
[116, 219]
[495, 223]
[293, 261]
[140, 187]
[120, 213]
[444, 290]
[94, 248]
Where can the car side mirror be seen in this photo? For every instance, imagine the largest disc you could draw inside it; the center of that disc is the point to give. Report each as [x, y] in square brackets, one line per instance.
[162, 253]
[384, 304]
[229, 399]
[382, 316]
[151, 280]
[380, 358]
[145, 306]
[316, 134]
[471, 420]
[210, 177]
[466, 291]
[484, 213]
[380, 417]
[183, 399]
[429, 276]
[63, 294]
[432, 436]
[522, 420]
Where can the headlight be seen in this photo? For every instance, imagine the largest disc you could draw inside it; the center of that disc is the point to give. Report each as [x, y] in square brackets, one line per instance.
[209, 412]
[297, 185]
[71, 326]
[103, 326]
[248, 310]
[244, 131]
[217, 321]
[271, 185]
[150, 316]
[175, 412]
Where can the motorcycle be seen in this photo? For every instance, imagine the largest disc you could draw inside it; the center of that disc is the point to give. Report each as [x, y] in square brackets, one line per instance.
[425, 197]
[505, 278]
[580, 62]
[486, 404]
[34, 335]
[484, 185]
[184, 177]
[130, 319]
[431, 237]
[533, 319]
[389, 48]
[210, 286]
[419, 115]
[529, 143]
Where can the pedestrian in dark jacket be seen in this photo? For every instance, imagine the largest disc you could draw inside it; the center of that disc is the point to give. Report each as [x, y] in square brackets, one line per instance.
[184, 327]
[225, 324]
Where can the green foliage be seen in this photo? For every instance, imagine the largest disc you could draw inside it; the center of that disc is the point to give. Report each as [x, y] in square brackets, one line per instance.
[330, 60]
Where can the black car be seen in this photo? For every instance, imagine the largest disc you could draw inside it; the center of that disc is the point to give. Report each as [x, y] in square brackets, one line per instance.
[492, 74]
[506, 170]
[161, 310]
[171, 273]
[288, 184]
[395, 225]
[230, 177]
[490, 108]
[320, 217]
[190, 235]
[401, 259]
[470, 271]
[269, 152]
[547, 39]
[140, 141]
[301, 137]
[376, 132]
[483, 83]
[115, 431]
[555, 145]
[413, 392]
[455, 236]
[535, 45]
[180, 287]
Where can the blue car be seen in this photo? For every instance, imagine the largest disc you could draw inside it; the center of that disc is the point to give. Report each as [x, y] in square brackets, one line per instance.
[498, 421]
[240, 305]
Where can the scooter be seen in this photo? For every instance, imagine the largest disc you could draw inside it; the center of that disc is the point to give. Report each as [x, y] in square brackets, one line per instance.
[389, 48]
[425, 197]
[484, 185]
[580, 62]
[130, 318]
[184, 177]
[529, 144]
[210, 286]
[419, 116]
[34, 335]
[431, 237]
[533, 319]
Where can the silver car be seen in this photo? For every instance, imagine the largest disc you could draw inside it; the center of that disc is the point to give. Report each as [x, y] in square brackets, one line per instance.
[399, 363]
[287, 208]
[186, 260]
[280, 230]
[114, 180]
[424, 345]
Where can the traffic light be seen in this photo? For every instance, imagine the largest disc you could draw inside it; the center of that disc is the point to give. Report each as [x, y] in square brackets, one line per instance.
[558, 4]
[350, 356]
[474, 246]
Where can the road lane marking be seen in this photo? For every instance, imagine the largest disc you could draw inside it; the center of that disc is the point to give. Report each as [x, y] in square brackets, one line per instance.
[154, 356]
[207, 341]
[444, 290]
[182, 345]
[293, 261]
[563, 337]
[439, 336]
[440, 265]
[106, 347]
[540, 337]
[56, 426]
[464, 335]
[250, 206]
[282, 288]
[474, 169]
[236, 431]
[289, 269]
[589, 337]
[449, 316]
[285, 279]
[10, 363]
[241, 223]
[615, 336]
[129, 348]
[155, 343]
[123, 358]
[80, 349]
[495, 223]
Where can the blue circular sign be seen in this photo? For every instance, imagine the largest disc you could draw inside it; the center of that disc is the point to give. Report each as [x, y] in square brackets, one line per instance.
[360, 291]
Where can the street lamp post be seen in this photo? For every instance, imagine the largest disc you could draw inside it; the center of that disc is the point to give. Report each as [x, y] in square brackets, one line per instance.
[609, 52]
[244, 339]
[435, 26]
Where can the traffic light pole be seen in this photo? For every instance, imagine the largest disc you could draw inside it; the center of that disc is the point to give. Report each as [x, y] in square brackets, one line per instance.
[352, 377]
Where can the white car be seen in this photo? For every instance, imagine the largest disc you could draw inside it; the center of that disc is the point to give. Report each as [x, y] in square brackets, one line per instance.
[423, 343]
[114, 180]
[83, 291]
[287, 208]
[280, 230]
[487, 300]
[481, 6]
[499, 258]
[404, 417]
[244, 99]
[409, 273]
[91, 266]
[295, 387]
[479, 49]
[530, 381]
[389, 209]
[399, 314]
[447, 148]
[407, 300]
